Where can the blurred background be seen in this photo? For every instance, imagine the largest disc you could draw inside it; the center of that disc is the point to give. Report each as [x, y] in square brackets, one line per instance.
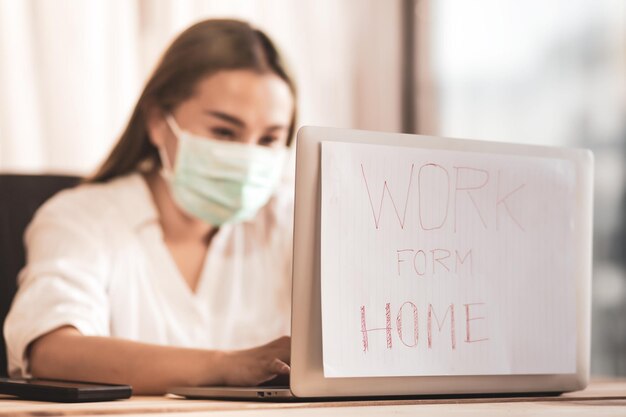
[536, 71]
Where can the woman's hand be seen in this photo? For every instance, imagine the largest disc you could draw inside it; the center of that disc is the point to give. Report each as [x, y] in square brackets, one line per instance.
[254, 366]
[65, 353]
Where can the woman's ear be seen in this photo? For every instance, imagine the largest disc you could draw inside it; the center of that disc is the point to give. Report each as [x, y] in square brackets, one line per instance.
[158, 131]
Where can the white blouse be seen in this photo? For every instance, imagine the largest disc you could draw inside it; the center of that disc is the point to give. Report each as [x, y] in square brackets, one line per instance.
[96, 260]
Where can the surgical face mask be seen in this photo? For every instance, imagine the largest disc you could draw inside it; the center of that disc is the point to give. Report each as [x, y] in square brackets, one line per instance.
[221, 182]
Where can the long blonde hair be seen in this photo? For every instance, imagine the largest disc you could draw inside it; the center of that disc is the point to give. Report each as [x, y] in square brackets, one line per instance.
[203, 49]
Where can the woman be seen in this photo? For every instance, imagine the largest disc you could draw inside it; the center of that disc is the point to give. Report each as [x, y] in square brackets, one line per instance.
[171, 266]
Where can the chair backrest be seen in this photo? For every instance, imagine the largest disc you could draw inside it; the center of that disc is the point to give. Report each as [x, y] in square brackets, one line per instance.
[20, 197]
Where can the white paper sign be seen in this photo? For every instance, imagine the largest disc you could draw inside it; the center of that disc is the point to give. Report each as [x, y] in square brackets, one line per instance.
[446, 262]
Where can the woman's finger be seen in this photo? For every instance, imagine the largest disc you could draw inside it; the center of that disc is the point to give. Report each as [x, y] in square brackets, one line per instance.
[279, 367]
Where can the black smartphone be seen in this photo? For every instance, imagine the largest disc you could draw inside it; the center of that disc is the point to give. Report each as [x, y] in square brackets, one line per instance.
[63, 391]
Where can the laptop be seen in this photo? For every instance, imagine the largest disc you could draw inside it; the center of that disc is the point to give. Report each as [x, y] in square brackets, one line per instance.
[313, 377]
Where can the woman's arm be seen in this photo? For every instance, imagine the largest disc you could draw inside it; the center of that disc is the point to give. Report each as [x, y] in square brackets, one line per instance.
[150, 369]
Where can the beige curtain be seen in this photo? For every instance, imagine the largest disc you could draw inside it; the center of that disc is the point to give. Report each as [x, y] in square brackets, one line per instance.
[71, 70]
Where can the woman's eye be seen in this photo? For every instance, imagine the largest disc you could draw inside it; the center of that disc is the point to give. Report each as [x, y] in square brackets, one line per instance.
[267, 140]
[223, 133]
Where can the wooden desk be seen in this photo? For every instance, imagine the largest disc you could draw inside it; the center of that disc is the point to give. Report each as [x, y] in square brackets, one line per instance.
[601, 398]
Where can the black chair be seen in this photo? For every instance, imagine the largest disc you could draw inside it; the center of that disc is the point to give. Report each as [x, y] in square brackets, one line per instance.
[20, 197]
